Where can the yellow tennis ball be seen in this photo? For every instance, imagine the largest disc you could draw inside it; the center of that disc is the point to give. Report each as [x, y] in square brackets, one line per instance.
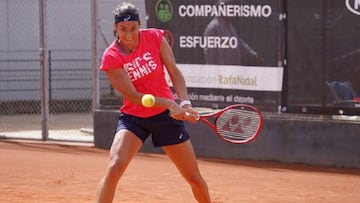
[148, 100]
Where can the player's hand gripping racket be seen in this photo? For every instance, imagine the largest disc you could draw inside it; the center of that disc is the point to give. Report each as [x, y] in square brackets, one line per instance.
[239, 123]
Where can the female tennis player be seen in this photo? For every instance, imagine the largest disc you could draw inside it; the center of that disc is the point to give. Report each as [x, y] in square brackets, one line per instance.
[134, 64]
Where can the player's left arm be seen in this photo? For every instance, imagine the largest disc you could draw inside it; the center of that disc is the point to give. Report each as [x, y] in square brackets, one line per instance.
[175, 74]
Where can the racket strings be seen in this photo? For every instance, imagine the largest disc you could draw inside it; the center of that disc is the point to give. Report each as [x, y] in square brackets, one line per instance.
[238, 124]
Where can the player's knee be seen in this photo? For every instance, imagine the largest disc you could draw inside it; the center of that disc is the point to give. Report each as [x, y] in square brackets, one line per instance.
[116, 167]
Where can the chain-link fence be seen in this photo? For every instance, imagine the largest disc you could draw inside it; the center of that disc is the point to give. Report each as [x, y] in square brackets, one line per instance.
[67, 33]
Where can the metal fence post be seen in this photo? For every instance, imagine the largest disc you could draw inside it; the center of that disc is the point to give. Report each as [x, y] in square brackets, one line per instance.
[44, 72]
[94, 55]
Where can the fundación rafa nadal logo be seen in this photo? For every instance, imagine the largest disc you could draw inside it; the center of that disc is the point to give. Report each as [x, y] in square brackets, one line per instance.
[164, 10]
[353, 6]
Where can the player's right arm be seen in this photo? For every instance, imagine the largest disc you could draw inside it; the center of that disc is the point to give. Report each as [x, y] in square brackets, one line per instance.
[122, 83]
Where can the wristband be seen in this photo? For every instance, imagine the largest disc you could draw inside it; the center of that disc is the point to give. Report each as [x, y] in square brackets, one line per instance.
[184, 102]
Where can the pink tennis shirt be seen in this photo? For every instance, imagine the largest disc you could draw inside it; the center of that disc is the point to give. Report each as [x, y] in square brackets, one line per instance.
[144, 68]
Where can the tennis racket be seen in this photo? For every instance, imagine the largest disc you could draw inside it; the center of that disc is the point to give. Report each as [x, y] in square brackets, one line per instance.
[238, 123]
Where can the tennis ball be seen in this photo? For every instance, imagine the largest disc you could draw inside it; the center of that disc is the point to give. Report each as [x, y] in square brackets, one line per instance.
[148, 100]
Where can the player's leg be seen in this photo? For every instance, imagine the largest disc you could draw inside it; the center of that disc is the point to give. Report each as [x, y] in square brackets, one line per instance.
[123, 149]
[183, 156]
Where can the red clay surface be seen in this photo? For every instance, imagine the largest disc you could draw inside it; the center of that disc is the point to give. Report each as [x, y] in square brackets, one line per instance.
[48, 172]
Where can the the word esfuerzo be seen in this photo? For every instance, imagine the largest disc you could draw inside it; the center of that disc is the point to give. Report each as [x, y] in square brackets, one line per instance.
[224, 42]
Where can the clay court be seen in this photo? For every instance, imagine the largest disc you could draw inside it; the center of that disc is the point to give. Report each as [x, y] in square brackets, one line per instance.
[40, 172]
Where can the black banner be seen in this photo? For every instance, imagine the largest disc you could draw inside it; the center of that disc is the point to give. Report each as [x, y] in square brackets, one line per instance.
[235, 46]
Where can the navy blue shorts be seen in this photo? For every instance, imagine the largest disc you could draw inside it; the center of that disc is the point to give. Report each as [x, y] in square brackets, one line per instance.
[163, 129]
